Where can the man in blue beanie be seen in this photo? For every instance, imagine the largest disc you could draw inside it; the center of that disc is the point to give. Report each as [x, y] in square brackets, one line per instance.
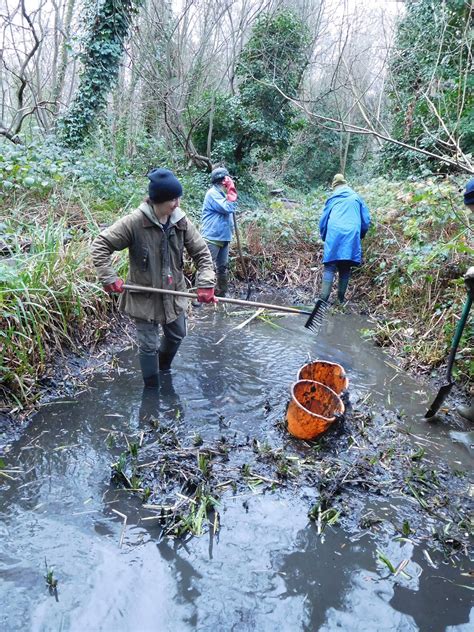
[156, 235]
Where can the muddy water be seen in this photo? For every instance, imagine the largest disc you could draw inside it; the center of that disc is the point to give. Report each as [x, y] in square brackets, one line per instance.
[267, 568]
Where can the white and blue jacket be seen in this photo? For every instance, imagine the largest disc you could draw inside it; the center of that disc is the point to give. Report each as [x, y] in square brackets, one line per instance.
[217, 221]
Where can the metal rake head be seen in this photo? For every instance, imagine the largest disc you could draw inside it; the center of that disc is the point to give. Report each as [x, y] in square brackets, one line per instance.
[317, 316]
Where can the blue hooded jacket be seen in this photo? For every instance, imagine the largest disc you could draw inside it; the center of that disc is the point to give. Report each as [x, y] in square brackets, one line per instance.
[345, 220]
[217, 223]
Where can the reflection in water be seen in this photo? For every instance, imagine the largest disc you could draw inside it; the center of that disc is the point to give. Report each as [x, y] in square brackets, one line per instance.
[149, 412]
[344, 590]
[210, 361]
[338, 594]
[185, 577]
[465, 439]
[443, 602]
[160, 403]
[268, 569]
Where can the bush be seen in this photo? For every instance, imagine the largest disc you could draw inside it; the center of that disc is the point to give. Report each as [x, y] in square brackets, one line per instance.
[42, 170]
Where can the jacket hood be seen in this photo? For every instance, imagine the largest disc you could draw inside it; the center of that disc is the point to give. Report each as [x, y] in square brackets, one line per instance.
[342, 191]
[175, 216]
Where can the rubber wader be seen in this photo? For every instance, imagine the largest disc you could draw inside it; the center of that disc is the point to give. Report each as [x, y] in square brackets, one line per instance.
[343, 282]
[326, 289]
[149, 367]
[222, 285]
[166, 353]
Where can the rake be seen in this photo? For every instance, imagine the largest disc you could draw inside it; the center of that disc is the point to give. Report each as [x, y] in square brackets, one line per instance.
[317, 315]
[313, 323]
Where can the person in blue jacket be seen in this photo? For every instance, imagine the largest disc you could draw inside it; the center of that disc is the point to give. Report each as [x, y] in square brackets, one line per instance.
[344, 222]
[218, 223]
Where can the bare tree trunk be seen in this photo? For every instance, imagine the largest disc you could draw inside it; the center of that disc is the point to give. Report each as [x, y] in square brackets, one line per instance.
[65, 30]
[211, 125]
[345, 152]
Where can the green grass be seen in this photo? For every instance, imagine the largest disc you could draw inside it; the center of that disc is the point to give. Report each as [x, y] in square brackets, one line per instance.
[49, 300]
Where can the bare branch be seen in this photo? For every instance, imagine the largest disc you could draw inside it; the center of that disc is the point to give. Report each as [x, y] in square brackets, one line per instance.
[460, 161]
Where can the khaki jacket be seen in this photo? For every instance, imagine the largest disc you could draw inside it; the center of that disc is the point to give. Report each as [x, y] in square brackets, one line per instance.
[148, 265]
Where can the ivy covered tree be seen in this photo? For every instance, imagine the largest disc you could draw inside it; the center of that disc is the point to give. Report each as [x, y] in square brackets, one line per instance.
[316, 153]
[256, 122]
[107, 25]
[432, 84]
[276, 54]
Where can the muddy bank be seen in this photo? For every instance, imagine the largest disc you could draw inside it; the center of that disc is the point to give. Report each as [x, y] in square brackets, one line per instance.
[68, 374]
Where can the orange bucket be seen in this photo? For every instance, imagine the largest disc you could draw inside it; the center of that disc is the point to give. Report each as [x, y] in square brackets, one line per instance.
[328, 373]
[312, 409]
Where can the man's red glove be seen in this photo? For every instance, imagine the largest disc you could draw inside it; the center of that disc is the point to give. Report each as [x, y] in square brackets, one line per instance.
[229, 185]
[116, 286]
[206, 295]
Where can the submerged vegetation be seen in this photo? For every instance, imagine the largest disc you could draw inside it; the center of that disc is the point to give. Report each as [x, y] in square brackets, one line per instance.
[51, 580]
[366, 460]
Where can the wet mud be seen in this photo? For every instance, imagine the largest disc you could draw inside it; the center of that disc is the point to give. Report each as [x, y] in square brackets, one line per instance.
[67, 374]
[364, 529]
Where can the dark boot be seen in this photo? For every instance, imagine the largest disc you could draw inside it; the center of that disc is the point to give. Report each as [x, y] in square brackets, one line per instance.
[222, 284]
[166, 353]
[171, 406]
[149, 367]
[467, 412]
[150, 406]
[341, 288]
[325, 290]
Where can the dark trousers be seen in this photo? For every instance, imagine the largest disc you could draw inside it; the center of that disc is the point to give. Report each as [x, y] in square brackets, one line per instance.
[343, 268]
[149, 339]
[157, 351]
[220, 256]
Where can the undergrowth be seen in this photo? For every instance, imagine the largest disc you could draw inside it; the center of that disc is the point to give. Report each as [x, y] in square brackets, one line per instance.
[416, 256]
[416, 253]
[49, 300]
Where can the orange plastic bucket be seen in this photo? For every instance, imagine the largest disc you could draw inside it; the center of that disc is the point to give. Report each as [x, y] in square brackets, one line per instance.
[328, 373]
[312, 409]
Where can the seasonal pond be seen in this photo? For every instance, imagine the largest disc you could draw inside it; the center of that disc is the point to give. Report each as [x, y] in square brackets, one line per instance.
[363, 530]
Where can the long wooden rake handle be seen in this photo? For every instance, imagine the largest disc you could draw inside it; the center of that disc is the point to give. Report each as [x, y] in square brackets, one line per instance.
[233, 301]
[237, 236]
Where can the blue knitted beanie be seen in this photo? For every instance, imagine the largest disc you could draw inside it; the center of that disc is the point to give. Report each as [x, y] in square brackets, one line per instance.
[163, 186]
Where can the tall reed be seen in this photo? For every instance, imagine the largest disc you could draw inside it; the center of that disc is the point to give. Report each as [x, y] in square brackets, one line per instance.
[49, 301]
